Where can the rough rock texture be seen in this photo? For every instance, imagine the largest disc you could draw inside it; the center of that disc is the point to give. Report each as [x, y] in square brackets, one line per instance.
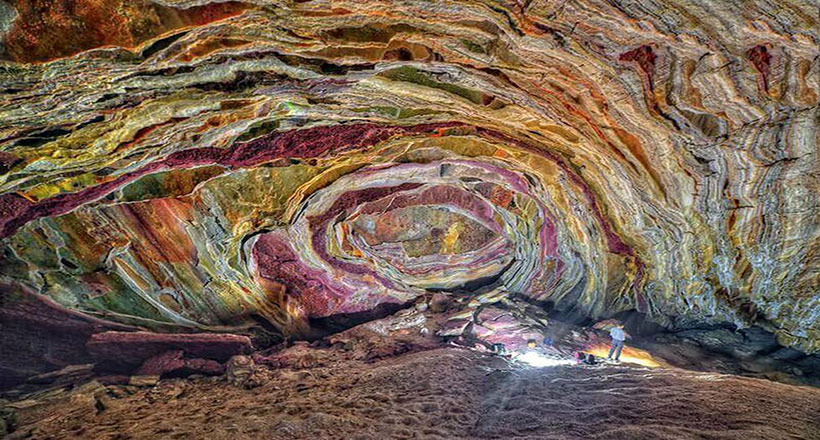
[173, 363]
[441, 394]
[239, 371]
[270, 166]
[39, 336]
[158, 353]
[41, 30]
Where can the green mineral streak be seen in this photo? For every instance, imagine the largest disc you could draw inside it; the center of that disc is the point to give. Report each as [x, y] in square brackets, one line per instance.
[10, 265]
[395, 112]
[259, 129]
[33, 247]
[146, 188]
[168, 184]
[260, 192]
[119, 299]
[416, 76]
[473, 47]
[364, 34]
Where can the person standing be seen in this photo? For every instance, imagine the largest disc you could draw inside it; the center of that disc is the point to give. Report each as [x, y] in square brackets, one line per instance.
[618, 337]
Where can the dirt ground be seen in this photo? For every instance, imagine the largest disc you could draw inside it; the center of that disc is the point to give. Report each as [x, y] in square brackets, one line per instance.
[446, 393]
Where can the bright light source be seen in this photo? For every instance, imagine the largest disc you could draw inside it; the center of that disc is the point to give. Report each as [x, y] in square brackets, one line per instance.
[629, 355]
[535, 359]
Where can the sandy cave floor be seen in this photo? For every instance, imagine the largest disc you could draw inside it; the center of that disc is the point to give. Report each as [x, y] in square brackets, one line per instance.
[446, 393]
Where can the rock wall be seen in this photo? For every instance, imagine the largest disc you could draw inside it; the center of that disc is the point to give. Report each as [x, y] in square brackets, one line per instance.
[265, 165]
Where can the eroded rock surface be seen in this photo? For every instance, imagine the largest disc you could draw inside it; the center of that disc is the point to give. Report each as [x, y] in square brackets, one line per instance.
[438, 394]
[291, 169]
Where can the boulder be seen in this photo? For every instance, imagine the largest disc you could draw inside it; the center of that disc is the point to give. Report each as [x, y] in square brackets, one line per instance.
[453, 327]
[440, 302]
[69, 374]
[239, 371]
[25, 317]
[495, 325]
[129, 350]
[143, 381]
[174, 363]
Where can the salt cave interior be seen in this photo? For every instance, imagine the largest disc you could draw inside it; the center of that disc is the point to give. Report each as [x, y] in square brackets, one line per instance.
[406, 218]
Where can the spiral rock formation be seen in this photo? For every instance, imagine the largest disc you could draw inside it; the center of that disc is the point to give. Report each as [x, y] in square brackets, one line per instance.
[259, 166]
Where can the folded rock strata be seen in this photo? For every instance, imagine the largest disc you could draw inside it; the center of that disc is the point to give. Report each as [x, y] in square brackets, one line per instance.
[267, 166]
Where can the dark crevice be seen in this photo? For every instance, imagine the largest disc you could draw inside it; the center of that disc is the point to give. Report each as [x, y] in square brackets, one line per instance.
[472, 287]
[343, 321]
[323, 66]
[242, 81]
[476, 286]
[160, 45]
[39, 138]
[94, 120]
[68, 264]
[168, 71]
[267, 335]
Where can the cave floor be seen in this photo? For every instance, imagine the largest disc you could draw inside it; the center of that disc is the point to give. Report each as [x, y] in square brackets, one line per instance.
[446, 393]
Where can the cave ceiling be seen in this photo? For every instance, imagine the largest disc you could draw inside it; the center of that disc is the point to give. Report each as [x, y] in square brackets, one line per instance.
[184, 165]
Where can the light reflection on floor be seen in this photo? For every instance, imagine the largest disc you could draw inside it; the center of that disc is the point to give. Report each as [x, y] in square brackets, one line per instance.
[535, 359]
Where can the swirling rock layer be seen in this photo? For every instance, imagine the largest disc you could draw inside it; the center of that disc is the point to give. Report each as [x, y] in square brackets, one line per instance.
[262, 166]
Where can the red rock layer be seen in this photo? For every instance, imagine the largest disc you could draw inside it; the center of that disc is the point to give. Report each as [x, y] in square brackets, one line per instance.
[49, 29]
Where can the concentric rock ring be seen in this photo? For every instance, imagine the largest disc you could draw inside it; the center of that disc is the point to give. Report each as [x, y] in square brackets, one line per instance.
[388, 232]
